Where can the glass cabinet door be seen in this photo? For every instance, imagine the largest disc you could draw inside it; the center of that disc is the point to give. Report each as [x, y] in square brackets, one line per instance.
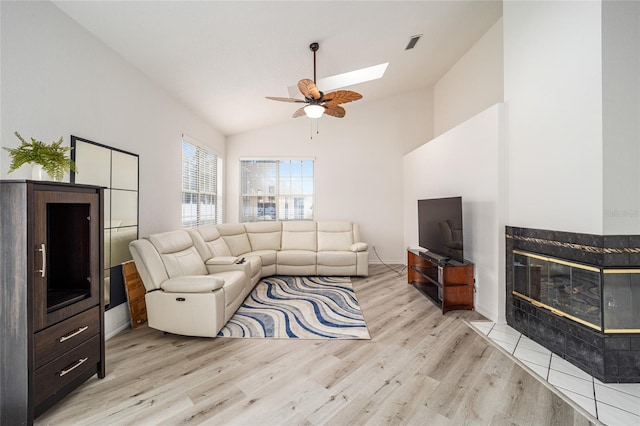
[66, 254]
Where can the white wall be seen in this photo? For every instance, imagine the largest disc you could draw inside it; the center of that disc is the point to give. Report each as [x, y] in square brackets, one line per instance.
[467, 161]
[358, 163]
[621, 116]
[58, 80]
[472, 85]
[553, 97]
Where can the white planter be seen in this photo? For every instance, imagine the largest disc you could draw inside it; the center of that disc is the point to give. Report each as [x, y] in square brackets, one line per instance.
[37, 173]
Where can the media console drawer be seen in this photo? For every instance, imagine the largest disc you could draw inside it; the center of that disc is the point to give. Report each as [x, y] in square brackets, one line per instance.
[54, 341]
[63, 370]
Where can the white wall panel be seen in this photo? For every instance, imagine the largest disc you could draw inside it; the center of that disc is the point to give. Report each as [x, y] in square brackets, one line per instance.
[467, 161]
[553, 97]
[472, 85]
[621, 116]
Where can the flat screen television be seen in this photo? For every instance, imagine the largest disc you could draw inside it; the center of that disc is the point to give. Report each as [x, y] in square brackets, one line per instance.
[440, 227]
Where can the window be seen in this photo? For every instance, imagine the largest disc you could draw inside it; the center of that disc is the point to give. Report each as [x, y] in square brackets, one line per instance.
[201, 186]
[276, 190]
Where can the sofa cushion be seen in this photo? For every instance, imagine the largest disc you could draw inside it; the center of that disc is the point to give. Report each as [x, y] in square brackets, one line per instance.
[238, 244]
[171, 242]
[264, 235]
[299, 235]
[235, 235]
[219, 247]
[335, 236]
[336, 258]
[268, 256]
[178, 254]
[208, 242]
[296, 257]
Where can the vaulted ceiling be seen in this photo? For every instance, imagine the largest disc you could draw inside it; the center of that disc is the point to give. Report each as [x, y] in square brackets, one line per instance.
[221, 58]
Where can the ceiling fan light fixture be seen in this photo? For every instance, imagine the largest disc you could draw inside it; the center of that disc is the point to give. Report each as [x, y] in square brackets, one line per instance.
[314, 111]
[319, 103]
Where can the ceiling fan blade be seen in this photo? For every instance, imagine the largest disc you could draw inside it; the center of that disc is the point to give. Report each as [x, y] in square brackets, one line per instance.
[299, 113]
[276, 98]
[308, 89]
[340, 97]
[335, 111]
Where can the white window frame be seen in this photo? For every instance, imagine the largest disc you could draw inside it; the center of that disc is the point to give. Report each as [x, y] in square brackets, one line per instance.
[278, 195]
[201, 216]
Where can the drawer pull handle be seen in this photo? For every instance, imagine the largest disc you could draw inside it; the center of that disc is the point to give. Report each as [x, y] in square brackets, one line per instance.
[76, 365]
[75, 333]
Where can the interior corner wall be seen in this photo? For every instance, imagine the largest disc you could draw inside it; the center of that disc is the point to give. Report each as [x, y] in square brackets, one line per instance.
[59, 80]
[621, 116]
[472, 85]
[553, 97]
[358, 163]
[467, 161]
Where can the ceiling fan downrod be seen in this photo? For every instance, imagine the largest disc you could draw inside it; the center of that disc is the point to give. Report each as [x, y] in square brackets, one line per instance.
[314, 48]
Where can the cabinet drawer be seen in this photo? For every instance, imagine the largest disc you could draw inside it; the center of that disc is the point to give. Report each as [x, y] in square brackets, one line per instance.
[66, 335]
[63, 370]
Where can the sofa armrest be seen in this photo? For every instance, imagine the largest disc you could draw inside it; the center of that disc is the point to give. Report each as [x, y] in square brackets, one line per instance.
[214, 268]
[222, 260]
[192, 284]
[356, 247]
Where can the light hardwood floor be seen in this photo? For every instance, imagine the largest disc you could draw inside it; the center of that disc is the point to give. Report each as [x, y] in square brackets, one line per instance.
[420, 367]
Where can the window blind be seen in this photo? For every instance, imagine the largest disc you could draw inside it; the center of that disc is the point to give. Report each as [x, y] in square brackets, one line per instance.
[201, 194]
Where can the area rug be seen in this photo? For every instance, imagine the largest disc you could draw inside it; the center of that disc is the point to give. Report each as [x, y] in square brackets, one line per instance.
[299, 307]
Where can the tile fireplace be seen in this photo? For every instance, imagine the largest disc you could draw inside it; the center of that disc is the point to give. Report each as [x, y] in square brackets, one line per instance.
[579, 296]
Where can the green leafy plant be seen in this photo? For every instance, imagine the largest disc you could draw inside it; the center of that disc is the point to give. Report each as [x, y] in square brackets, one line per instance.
[52, 158]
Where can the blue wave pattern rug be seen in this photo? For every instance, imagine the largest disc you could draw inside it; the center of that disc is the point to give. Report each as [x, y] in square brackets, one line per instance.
[299, 307]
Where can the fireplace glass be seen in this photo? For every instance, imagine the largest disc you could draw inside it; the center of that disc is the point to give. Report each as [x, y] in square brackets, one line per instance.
[621, 298]
[604, 299]
[566, 288]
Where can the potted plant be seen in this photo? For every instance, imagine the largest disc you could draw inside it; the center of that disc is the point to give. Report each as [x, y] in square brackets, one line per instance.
[51, 158]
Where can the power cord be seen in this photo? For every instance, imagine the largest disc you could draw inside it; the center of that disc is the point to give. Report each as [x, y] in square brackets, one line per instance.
[381, 261]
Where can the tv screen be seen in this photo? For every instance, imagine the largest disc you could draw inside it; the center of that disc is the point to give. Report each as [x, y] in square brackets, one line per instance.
[440, 227]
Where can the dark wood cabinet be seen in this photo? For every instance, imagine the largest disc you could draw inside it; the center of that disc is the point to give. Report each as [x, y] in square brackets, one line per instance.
[448, 285]
[51, 294]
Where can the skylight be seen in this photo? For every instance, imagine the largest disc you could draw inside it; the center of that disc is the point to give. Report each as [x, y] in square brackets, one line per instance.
[345, 79]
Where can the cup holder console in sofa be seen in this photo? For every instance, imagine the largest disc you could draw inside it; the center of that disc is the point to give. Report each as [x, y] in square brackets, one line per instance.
[196, 279]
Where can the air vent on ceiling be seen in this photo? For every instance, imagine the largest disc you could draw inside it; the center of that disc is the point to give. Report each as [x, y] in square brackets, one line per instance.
[413, 41]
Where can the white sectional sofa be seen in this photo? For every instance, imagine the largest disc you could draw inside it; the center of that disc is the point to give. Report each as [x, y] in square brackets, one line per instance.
[196, 279]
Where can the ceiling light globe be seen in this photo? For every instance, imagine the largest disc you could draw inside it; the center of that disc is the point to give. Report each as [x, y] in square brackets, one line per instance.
[314, 111]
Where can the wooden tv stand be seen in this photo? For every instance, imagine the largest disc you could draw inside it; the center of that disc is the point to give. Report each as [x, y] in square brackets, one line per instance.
[447, 284]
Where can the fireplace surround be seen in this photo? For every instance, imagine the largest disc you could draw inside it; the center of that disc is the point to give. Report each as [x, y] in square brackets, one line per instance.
[578, 295]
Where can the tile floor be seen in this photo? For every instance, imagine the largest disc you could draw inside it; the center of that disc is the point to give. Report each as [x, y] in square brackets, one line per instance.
[612, 403]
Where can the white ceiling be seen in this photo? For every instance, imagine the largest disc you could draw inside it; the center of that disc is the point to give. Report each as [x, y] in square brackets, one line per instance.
[221, 58]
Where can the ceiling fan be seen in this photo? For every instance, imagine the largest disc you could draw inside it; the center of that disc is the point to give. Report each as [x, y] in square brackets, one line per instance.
[319, 103]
